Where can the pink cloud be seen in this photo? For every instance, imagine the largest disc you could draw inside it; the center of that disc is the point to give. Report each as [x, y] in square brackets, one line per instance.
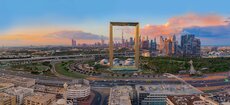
[176, 24]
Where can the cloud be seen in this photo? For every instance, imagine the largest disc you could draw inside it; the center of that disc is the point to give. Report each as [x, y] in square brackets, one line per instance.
[75, 35]
[221, 31]
[175, 25]
[78, 35]
[49, 38]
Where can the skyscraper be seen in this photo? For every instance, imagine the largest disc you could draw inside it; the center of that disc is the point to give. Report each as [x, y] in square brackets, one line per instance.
[131, 41]
[153, 45]
[161, 47]
[74, 43]
[168, 45]
[122, 40]
[102, 41]
[174, 44]
[190, 45]
[145, 43]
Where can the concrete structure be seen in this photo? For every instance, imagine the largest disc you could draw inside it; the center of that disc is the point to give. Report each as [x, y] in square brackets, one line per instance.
[80, 91]
[6, 99]
[64, 102]
[121, 95]
[104, 62]
[4, 86]
[192, 71]
[184, 100]
[111, 42]
[189, 100]
[156, 94]
[48, 89]
[20, 93]
[40, 99]
[17, 81]
[129, 62]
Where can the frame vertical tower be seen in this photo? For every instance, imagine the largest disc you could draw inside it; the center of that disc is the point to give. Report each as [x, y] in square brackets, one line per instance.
[137, 43]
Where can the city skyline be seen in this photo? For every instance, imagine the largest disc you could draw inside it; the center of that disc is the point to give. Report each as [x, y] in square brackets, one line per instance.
[47, 23]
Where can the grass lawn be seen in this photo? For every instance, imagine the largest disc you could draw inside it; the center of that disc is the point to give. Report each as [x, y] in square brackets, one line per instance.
[61, 69]
[41, 67]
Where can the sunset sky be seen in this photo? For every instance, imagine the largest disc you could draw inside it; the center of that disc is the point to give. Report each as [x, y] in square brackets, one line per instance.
[55, 22]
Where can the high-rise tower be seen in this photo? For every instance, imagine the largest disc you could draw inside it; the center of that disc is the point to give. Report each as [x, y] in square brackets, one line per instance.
[74, 43]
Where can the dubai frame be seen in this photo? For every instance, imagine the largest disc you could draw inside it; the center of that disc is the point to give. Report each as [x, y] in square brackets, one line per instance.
[136, 48]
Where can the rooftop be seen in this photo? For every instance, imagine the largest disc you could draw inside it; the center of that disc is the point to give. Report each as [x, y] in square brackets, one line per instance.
[120, 95]
[40, 97]
[6, 85]
[4, 96]
[184, 99]
[78, 86]
[18, 90]
[175, 89]
[49, 89]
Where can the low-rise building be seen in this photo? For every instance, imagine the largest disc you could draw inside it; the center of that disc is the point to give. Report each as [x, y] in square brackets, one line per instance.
[39, 98]
[157, 94]
[6, 99]
[79, 91]
[20, 93]
[121, 95]
[48, 89]
[4, 86]
[184, 100]
[189, 100]
[222, 97]
[17, 81]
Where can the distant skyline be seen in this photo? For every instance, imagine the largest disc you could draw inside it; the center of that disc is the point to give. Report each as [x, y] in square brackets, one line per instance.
[55, 22]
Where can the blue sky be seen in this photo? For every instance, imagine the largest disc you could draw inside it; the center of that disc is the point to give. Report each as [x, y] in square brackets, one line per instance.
[93, 16]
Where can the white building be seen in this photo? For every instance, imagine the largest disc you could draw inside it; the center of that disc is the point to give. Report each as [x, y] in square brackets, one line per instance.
[104, 62]
[79, 91]
[20, 93]
[129, 62]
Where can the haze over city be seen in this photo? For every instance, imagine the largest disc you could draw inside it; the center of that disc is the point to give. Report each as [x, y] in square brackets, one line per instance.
[43, 22]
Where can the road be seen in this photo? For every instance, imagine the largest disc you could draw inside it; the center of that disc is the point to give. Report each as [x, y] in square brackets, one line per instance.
[56, 81]
[97, 98]
[106, 99]
[59, 58]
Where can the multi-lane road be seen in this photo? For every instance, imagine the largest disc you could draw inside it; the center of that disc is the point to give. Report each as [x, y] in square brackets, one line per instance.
[40, 79]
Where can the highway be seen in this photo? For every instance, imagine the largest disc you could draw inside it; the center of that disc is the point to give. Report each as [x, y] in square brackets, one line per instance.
[67, 57]
[56, 81]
